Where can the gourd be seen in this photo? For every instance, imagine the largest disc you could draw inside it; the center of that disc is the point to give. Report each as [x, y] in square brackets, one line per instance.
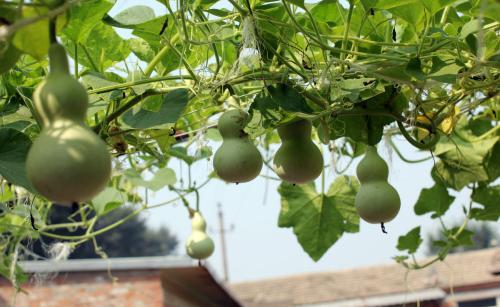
[67, 163]
[199, 245]
[298, 160]
[376, 201]
[237, 160]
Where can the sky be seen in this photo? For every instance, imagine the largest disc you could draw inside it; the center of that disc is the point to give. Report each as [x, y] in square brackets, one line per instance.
[257, 248]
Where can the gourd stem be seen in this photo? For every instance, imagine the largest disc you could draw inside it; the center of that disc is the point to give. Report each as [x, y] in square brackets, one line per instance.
[52, 30]
[383, 227]
[58, 59]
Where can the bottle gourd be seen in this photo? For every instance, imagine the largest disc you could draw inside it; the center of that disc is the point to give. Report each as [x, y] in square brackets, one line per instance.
[68, 162]
[199, 245]
[298, 160]
[376, 201]
[237, 160]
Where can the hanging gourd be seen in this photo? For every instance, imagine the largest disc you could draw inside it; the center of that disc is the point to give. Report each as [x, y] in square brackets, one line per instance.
[298, 160]
[237, 160]
[199, 245]
[68, 162]
[376, 201]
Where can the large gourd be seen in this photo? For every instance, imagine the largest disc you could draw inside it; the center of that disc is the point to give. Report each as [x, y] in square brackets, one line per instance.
[199, 245]
[237, 160]
[298, 160]
[68, 162]
[376, 201]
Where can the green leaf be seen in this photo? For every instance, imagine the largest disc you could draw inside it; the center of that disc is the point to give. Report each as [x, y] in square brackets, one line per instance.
[369, 129]
[319, 220]
[385, 4]
[84, 17]
[276, 103]
[444, 71]
[14, 147]
[130, 17]
[414, 69]
[299, 3]
[411, 12]
[96, 81]
[181, 153]
[434, 6]
[103, 46]
[327, 11]
[410, 241]
[489, 197]
[463, 239]
[435, 199]
[172, 106]
[33, 39]
[108, 200]
[470, 28]
[463, 157]
[163, 177]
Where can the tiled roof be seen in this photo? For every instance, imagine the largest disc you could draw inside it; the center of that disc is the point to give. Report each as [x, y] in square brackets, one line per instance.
[460, 270]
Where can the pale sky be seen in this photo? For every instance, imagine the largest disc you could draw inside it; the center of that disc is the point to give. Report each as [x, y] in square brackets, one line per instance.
[257, 248]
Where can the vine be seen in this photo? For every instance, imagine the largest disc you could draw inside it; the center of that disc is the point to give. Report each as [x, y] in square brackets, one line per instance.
[355, 72]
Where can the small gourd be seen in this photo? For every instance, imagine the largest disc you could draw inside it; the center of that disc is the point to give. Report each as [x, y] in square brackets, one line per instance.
[237, 160]
[68, 162]
[199, 245]
[376, 201]
[298, 160]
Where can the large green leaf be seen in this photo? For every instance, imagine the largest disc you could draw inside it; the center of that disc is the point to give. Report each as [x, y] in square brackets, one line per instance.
[319, 220]
[130, 17]
[489, 197]
[84, 17]
[172, 106]
[436, 200]
[14, 146]
[463, 159]
[103, 48]
[33, 39]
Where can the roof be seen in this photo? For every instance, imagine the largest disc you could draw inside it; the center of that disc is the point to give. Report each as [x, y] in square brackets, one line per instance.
[98, 264]
[182, 276]
[386, 282]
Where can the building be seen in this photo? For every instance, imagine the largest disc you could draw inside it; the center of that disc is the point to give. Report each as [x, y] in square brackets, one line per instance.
[118, 282]
[470, 279]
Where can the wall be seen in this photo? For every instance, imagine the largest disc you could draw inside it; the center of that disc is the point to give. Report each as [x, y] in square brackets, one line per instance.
[124, 289]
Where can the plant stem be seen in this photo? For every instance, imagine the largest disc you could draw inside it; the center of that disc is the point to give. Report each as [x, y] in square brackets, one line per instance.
[152, 64]
[346, 29]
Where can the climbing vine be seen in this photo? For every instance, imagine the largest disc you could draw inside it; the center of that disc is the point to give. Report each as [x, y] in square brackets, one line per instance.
[358, 70]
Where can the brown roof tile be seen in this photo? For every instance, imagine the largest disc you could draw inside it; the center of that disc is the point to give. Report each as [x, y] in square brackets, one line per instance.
[459, 270]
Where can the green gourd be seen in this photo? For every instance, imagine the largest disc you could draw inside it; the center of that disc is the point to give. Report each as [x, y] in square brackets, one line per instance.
[237, 160]
[68, 162]
[60, 95]
[199, 245]
[376, 201]
[298, 160]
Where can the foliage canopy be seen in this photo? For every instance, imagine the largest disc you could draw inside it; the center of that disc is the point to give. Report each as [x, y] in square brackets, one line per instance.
[359, 70]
